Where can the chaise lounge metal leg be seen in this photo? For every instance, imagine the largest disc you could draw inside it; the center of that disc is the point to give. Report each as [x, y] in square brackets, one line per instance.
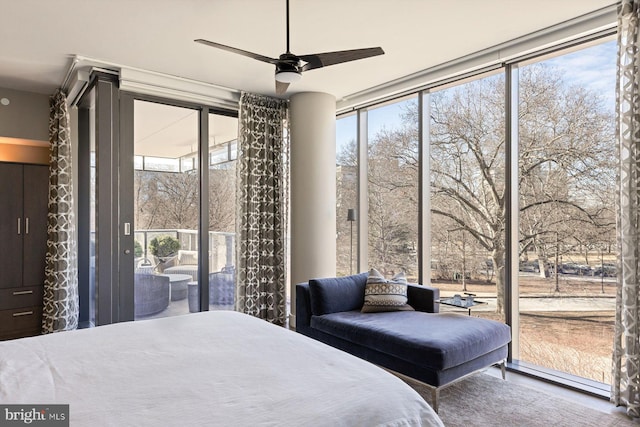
[434, 398]
[503, 368]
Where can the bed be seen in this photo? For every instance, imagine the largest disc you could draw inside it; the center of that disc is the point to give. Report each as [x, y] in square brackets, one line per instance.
[211, 368]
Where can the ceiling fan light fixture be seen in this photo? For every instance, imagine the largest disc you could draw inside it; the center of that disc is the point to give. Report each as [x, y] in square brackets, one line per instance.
[288, 76]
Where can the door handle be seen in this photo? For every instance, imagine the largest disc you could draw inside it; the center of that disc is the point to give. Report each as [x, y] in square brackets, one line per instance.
[26, 225]
[23, 313]
[19, 228]
[22, 292]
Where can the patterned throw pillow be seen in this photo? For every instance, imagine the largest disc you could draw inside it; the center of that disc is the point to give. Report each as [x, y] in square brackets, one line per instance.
[381, 294]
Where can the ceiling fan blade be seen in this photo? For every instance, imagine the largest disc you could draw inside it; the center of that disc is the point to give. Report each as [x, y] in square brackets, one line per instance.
[319, 60]
[281, 87]
[238, 51]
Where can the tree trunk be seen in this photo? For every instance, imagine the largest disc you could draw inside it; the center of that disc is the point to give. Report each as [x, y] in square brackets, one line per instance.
[464, 263]
[542, 265]
[586, 255]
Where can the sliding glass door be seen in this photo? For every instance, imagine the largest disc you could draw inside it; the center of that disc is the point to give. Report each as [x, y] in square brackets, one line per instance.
[165, 209]
[156, 206]
[183, 214]
[222, 155]
[97, 202]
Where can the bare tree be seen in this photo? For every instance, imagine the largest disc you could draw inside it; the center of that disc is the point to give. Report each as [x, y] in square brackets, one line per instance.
[346, 198]
[145, 192]
[178, 199]
[467, 164]
[565, 151]
[565, 169]
[171, 200]
[393, 200]
[222, 199]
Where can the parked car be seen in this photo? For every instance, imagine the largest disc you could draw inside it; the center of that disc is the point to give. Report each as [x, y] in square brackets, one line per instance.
[576, 269]
[530, 266]
[606, 270]
[486, 266]
[585, 270]
[568, 268]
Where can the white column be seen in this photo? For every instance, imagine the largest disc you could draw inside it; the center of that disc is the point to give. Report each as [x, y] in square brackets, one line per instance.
[313, 187]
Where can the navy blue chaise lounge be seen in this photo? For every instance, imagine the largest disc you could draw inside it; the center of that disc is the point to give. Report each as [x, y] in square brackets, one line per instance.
[431, 347]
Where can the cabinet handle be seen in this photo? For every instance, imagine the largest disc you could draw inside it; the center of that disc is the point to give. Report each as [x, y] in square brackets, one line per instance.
[26, 225]
[22, 292]
[19, 228]
[23, 313]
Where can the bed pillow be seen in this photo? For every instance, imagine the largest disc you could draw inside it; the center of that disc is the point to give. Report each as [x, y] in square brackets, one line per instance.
[381, 294]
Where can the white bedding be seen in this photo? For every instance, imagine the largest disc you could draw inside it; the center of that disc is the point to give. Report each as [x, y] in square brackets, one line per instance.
[204, 369]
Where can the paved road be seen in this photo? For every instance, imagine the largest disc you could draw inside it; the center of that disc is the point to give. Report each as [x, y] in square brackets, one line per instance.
[555, 303]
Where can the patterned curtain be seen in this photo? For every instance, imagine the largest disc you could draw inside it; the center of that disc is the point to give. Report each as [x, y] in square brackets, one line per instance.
[625, 387]
[60, 311]
[262, 207]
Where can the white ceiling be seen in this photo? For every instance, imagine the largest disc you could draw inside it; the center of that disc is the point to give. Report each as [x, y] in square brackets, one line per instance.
[161, 130]
[39, 38]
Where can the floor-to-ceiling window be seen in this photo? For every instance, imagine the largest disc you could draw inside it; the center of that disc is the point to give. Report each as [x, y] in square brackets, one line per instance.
[566, 174]
[392, 156]
[346, 195]
[557, 112]
[467, 191]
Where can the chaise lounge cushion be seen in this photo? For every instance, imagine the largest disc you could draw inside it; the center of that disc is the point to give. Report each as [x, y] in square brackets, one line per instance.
[187, 257]
[334, 294]
[439, 341]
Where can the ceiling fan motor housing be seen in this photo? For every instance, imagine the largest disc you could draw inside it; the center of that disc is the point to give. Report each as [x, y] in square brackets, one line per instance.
[288, 68]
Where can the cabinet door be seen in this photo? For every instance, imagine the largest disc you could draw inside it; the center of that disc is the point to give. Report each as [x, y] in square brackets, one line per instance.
[36, 197]
[11, 225]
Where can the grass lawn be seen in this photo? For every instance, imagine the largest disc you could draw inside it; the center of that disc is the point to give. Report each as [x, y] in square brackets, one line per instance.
[578, 341]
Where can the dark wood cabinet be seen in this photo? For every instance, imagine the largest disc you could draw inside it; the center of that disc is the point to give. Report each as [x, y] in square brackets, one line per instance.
[36, 199]
[23, 245]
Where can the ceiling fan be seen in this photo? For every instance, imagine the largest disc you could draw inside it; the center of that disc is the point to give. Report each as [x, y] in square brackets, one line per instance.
[289, 67]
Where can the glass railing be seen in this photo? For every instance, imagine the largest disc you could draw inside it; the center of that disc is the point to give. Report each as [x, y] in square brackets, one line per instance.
[181, 268]
[221, 245]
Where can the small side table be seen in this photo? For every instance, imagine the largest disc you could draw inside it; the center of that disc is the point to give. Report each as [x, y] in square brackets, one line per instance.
[193, 295]
[467, 302]
[178, 285]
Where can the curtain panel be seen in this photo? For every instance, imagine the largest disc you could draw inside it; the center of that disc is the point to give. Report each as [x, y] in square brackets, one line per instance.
[625, 387]
[60, 311]
[262, 200]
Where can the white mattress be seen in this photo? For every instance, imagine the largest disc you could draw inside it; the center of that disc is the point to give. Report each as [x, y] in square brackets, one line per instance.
[204, 369]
